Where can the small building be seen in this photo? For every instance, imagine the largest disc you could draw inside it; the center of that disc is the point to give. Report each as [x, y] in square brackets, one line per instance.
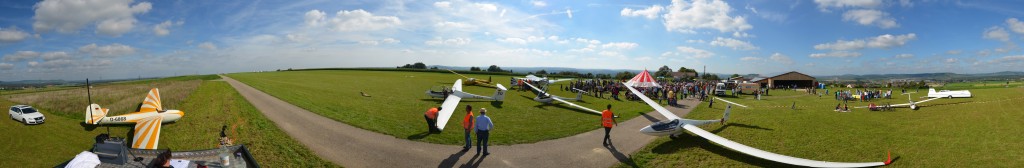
[684, 75]
[793, 78]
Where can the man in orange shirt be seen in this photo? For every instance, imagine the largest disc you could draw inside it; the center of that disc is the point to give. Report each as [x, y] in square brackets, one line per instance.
[431, 117]
[467, 125]
[608, 121]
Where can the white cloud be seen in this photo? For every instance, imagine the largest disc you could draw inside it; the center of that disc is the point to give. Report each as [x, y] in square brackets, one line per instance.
[996, 33]
[51, 56]
[1015, 25]
[1012, 58]
[906, 3]
[871, 17]
[512, 40]
[590, 41]
[780, 58]
[443, 4]
[620, 45]
[568, 12]
[112, 50]
[733, 43]
[823, 5]
[11, 35]
[503, 11]
[447, 25]
[162, 28]
[837, 54]
[378, 42]
[207, 46]
[112, 17]
[888, 41]
[21, 56]
[649, 12]
[882, 41]
[486, 7]
[608, 53]
[360, 20]
[314, 17]
[751, 59]
[702, 14]
[6, 66]
[693, 52]
[539, 3]
[904, 55]
[951, 60]
[448, 42]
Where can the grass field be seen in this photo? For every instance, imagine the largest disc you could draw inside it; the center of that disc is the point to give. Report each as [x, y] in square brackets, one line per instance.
[964, 132]
[211, 105]
[398, 102]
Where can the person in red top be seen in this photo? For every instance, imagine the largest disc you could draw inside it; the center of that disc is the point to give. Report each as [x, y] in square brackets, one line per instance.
[608, 121]
[467, 125]
[431, 117]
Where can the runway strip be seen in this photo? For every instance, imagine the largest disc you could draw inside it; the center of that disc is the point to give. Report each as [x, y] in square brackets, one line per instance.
[354, 147]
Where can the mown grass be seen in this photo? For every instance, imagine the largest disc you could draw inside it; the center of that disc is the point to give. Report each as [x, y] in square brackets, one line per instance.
[211, 105]
[398, 102]
[973, 132]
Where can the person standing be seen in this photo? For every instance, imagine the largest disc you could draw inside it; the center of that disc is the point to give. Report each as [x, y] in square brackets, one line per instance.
[608, 121]
[467, 125]
[483, 129]
[431, 117]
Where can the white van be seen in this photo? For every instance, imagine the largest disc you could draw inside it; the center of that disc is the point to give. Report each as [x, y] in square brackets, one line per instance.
[720, 89]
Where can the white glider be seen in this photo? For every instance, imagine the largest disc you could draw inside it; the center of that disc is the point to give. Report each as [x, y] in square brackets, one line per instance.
[452, 101]
[912, 104]
[731, 102]
[948, 93]
[675, 125]
[546, 98]
[543, 80]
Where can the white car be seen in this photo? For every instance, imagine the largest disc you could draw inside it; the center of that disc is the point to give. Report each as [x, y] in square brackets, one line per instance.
[26, 114]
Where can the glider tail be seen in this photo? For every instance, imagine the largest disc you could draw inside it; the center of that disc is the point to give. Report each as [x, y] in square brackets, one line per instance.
[726, 115]
[94, 113]
[499, 93]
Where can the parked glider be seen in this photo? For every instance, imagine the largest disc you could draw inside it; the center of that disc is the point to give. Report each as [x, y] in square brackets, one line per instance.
[731, 102]
[452, 101]
[475, 81]
[546, 98]
[912, 104]
[675, 126]
[948, 93]
[543, 80]
[148, 120]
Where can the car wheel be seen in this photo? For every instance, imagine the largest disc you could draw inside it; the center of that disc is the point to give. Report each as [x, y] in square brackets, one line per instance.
[23, 121]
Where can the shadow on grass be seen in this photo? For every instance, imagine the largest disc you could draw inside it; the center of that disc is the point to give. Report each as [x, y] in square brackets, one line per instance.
[497, 104]
[690, 141]
[719, 129]
[418, 136]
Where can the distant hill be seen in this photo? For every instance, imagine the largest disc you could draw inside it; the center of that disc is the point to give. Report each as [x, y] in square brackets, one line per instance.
[930, 76]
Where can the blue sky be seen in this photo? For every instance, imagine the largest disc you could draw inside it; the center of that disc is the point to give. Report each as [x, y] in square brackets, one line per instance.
[73, 40]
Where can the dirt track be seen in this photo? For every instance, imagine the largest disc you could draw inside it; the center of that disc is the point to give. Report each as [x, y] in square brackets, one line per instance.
[353, 147]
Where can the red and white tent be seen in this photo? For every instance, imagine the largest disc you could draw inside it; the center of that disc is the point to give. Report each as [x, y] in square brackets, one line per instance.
[643, 79]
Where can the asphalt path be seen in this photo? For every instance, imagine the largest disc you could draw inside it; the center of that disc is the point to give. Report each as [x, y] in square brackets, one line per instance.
[354, 147]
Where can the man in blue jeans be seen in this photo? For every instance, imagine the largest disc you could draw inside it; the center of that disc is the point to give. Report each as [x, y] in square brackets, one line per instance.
[483, 129]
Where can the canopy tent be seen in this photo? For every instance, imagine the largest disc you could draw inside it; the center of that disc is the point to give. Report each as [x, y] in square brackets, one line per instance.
[643, 79]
